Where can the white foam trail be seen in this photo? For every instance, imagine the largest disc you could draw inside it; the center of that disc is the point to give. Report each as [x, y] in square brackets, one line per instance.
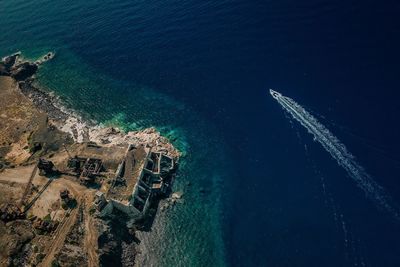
[337, 150]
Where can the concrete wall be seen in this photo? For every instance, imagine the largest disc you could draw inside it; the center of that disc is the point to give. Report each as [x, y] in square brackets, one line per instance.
[128, 209]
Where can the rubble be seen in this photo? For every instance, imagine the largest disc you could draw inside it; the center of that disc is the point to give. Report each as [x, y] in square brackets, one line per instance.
[45, 167]
[64, 195]
[45, 225]
[10, 212]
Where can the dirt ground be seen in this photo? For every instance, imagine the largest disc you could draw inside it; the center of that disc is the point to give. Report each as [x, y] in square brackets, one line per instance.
[25, 135]
[49, 201]
[13, 182]
[18, 119]
[17, 175]
[24, 130]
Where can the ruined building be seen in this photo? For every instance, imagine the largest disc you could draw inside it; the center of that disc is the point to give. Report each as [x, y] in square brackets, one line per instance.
[143, 176]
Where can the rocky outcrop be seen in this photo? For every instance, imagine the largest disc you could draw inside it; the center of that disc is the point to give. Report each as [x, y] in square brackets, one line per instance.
[42, 101]
[20, 71]
[23, 71]
[116, 242]
[3, 70]
[80, 130]
[8, 62]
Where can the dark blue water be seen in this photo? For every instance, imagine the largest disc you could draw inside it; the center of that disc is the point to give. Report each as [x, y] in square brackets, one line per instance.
[200, 72]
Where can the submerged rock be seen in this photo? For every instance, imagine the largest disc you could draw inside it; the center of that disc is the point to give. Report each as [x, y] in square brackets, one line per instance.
[177, 195]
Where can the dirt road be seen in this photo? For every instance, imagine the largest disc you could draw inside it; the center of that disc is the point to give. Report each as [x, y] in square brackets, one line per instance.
[60, 235]
[90, 236]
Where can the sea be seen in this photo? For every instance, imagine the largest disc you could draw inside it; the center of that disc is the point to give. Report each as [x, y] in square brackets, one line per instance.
[258, 187]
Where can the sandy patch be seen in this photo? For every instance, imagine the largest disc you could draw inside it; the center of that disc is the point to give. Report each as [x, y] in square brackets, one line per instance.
[17, 175]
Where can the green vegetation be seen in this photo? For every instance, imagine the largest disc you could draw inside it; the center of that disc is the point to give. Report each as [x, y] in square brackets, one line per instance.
[39, 257]
[92, 210]
[64, 206]
[55, 263]
[47, 218]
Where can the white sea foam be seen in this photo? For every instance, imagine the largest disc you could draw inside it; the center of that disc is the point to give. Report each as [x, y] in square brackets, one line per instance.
[338, 151]
[84, 130]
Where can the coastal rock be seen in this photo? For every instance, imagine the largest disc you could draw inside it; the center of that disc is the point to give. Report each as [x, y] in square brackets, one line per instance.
[3, 70]
[45, 58]
[6, 64]
[177, 195]
[114, 241]
[113, 136]
[9, 61]
[111, 130]
[175, 198]
[165, 206]
[79, 129]
[23, 71]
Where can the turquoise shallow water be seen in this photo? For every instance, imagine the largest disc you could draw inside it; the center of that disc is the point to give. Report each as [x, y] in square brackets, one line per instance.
[200, 71]
[185, 235]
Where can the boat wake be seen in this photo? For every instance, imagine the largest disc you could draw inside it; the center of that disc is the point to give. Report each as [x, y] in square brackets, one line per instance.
[338, 151]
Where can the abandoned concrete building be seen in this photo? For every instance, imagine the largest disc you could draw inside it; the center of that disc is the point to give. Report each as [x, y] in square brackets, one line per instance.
[140, 178]
[91, 169]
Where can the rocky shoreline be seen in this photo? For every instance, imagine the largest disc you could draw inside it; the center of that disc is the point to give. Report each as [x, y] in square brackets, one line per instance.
[58, 127]
[23, 72]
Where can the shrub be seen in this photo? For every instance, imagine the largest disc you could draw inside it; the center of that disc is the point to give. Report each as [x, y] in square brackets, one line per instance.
[64, 206]
[92, 210]
[55, 263]
[47, 218]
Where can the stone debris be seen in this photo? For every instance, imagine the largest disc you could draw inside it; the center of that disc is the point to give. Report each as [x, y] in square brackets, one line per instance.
[10, 212]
